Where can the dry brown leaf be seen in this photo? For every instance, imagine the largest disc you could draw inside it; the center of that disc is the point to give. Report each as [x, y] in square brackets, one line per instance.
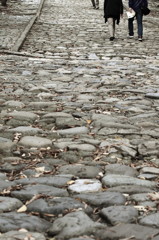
[70, 182]
[22, 209]
[154, 196]
[40, 169]
[89, 121]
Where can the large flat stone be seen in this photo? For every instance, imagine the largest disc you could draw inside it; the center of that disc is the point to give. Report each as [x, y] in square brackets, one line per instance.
[112, 180]
[127, 231]
[119, 214]
[102, 199]
[73, 225]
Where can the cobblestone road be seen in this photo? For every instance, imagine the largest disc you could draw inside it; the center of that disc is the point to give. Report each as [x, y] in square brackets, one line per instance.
[79, 125]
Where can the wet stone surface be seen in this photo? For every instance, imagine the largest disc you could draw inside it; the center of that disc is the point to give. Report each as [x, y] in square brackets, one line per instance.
[79, 126]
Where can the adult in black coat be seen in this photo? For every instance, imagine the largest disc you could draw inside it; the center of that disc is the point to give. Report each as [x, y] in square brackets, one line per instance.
[113, 9]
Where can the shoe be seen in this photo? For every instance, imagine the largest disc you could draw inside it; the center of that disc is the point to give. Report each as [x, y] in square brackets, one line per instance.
[140, 39]
[97, 7]
[131, 36]
[94, 7]
[111, 38]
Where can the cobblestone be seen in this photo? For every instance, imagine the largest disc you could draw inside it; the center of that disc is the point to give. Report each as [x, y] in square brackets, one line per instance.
[79, 126]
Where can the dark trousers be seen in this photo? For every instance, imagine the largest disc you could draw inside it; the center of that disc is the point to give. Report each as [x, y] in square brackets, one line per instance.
[139, 17]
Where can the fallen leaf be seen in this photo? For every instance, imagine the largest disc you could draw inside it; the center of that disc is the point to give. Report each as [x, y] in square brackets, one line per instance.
[141, 208]
[154, 196]
[89, 121]
[22, 209]
[70, 182]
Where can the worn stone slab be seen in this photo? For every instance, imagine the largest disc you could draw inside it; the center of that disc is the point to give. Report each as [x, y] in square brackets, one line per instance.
[73, 131]
[21, 235]
[14, 104]
[3, 176]
[140, 197]
[15, 221]
[80, 238]
[153, 170]
[8, 204]
[5, 184]
[82, 147]
[60, 180]
[122, 231]
[131, 189]
[56, 206]
[102, 199]
[120, 169]
[73, 224]
[31, 190]
[33, 141]
[151, 220]
[22, 115]
[55, 115]
[25, 130]
[6, 146]
[85, 185]
[113, 180]
[119, 214]
[80, 170]
[152, 95]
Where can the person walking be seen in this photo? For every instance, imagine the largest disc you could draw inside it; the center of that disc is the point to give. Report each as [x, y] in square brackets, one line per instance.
[95, 4]
[137, 6]
[113, 10]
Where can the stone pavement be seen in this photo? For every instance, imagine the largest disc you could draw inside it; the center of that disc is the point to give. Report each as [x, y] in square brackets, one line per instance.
[79, 125]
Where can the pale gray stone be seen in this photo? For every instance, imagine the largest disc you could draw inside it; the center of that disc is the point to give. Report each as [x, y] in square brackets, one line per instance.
[122, 231]
[33, 141]
[25, 130]
[56, 180]
[150, 170]
[82, 147]
[140, 197]
[21, 235]
[130, 189]
[113, 180]
[120, 169]
[15, 104]
[57, 115]
[85, 186]
[73, 131]
[15, 221]
[31, 190]
[8, 204]
[150, 220]
[119, 214]
[79, 170]
[22, 115]
[56, 206]
[102, 199]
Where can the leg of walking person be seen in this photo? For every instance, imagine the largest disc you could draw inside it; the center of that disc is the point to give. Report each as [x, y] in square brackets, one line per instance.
[97, 4]
[139, 17]
[111, 28]
[93, 3]
[114, 27]
[131, 27]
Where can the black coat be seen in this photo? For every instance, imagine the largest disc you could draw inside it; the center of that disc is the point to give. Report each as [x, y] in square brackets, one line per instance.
[113, 9]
